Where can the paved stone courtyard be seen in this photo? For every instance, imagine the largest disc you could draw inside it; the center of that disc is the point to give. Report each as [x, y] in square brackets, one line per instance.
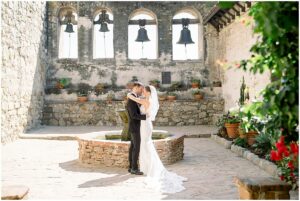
[50, 169]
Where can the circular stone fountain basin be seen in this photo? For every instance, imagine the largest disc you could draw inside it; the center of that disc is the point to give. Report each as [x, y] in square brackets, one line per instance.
[106, 148]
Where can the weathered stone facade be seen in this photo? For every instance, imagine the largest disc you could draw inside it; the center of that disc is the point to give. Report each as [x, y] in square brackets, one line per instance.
[23, 66]
[92, 71]
[115, 153]
[233, 44]
[180, 113]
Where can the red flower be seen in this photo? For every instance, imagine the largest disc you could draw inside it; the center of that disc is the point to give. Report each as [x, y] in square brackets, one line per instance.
[275, 156]
[291, 165]
[294, 148]
[281, 177]
[292, 175]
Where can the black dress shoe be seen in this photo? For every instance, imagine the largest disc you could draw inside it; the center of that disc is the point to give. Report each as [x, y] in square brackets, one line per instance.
[136, 172]
[129, 170]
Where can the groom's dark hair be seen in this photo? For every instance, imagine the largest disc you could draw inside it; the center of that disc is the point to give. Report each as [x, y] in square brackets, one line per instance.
[137, 84]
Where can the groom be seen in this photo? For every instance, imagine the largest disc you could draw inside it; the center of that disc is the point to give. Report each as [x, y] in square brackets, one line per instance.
[135, 118]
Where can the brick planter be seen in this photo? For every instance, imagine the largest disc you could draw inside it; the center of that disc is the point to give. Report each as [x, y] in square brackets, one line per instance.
[266, 188]
[115, 153]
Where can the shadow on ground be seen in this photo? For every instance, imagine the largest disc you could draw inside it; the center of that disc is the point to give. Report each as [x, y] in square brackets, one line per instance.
[113, 175]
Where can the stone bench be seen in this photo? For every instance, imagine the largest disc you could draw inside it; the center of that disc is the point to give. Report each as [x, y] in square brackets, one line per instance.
[14, 192]
[262, 188]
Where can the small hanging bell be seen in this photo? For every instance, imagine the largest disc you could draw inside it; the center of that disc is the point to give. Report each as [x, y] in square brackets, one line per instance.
[69, 28]
[104, 27]
[185, 35]
[142, 33]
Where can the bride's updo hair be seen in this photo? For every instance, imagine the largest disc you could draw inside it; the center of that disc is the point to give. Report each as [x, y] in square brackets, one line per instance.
[148, 89]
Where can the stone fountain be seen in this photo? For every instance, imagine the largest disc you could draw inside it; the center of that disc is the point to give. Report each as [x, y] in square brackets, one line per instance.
[110, 148]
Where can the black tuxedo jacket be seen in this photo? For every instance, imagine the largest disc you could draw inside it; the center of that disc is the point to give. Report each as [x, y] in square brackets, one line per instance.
[135, 117]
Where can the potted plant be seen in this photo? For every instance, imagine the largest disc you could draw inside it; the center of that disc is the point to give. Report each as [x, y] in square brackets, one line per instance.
[131, 82]
[171, 96]
[155, 83]
[198, 94]
[82, 93]
[250, 128]
[63, 83]
[99, 88]
[110, 97]
[195, 83]
[175, 86]
[232, 123]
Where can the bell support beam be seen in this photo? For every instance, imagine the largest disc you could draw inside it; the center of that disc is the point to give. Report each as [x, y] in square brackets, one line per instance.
[191, 21]
[64, 22]
[108, 22]
[136, 22]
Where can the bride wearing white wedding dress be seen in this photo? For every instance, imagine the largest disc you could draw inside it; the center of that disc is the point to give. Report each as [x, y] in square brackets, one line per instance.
[157, 175]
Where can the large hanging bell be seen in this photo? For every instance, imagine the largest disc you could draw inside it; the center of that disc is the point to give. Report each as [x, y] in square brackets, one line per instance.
[104, 27]
[142, 35]
[185, 37]
[69, 28]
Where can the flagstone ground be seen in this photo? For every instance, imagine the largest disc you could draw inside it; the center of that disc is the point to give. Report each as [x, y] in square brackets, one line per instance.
[51, 171]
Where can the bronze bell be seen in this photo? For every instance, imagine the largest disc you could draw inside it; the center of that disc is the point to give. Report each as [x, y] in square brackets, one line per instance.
[69, 28]
[142, 35]
[104, 27]
[185, 35]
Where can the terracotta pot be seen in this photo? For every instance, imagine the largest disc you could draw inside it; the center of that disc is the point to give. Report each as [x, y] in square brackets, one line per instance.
[232, 130]
[251, 135]
[171, 98]
[195, 85]
[162, 98]
[82, 99]
[198, 96]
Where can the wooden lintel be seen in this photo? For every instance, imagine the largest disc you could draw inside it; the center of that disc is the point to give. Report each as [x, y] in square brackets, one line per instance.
[192, 21]
[99, 22]
[136, 22]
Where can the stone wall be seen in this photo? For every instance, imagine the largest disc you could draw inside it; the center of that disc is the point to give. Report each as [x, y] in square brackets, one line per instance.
[115, 153]
[92, 71]
[23, 66]
[234, 43]
[185, 112]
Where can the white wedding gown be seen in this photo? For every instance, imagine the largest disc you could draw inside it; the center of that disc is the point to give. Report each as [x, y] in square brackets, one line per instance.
[150, 164]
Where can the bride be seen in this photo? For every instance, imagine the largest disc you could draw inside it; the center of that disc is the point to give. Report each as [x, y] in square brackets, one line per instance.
[157, 175]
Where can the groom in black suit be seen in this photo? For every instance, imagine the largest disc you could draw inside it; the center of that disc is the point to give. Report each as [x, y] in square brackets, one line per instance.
[135, 118]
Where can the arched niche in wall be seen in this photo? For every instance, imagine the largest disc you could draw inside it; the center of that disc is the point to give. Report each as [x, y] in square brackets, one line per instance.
[103, 29]
[67, 33]
[138, 45]
[192, 20]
